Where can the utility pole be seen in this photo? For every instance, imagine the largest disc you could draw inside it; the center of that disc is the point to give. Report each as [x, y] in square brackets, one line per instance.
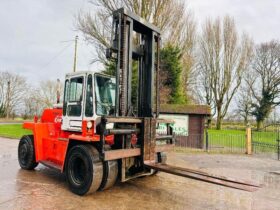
[8, 100]
[75, 53]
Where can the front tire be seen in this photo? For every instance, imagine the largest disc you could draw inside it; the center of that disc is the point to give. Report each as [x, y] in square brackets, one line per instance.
[26, 153]
[84, 170]
[110, 172]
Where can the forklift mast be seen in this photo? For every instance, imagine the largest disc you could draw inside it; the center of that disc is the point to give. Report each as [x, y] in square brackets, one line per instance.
[135, 40]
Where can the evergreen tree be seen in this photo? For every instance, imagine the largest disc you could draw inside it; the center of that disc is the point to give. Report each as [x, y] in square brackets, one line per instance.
[172, 69]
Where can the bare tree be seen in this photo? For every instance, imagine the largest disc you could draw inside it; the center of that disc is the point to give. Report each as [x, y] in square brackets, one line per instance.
[12, 92]
[224, 58]
[47, 93]
[44, 96]
[204, 90]
[265, 82]
[244, 103]
[32, 104]
[171, 16]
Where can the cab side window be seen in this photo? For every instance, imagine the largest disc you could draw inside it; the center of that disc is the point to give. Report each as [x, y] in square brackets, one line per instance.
[75, 97]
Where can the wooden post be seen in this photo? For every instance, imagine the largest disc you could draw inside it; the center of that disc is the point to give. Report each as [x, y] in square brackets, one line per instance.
[248, 140]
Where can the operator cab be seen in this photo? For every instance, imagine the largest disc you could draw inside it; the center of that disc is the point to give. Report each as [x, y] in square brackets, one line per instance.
[87, 96]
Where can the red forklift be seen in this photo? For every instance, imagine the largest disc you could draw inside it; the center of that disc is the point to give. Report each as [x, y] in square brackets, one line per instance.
[105, 129]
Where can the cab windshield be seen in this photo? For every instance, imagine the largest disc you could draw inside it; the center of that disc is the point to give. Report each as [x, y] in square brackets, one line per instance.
[105, 89]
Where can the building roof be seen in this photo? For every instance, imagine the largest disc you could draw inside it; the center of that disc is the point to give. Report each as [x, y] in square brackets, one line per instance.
[185, 109]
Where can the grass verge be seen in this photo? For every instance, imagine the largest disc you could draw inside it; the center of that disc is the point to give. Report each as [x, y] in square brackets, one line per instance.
[218, 139]
[14, 131]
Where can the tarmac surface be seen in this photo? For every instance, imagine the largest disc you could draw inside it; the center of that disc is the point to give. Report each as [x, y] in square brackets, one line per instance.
[45, 188]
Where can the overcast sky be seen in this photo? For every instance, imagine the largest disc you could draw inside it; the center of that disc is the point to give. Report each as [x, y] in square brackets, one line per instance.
[33, 35]
[33, 32]
[259, 18]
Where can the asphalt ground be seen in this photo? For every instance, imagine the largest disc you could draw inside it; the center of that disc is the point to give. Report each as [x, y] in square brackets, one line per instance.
[45, 188]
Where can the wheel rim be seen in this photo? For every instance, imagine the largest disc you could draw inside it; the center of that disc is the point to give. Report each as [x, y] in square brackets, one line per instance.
[23, 153]
[78, 170]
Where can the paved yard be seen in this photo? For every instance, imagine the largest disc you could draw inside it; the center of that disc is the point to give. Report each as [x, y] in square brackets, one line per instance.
[46, 189]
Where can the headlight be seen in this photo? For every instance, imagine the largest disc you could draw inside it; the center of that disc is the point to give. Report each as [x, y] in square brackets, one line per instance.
[89, 124]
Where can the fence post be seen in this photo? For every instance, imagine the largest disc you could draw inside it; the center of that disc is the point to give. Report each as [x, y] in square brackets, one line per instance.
[207, 142]
[248, 140]
[278, 144]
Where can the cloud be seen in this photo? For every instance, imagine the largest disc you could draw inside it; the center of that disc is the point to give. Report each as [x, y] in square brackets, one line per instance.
[32, 34]
[257, 17]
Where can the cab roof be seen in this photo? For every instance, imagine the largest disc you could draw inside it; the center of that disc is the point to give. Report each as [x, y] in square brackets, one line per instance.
[79, 73]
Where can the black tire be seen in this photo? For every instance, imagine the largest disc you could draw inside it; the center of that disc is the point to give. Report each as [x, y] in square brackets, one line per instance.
[110, 172]
[161, 157]
[26, 153]
[84, 170]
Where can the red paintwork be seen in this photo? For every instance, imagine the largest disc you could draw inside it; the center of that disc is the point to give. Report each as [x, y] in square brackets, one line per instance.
[134, 139]
[51, 143]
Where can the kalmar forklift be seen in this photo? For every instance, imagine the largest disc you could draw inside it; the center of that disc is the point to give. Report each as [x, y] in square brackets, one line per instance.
[103, 132]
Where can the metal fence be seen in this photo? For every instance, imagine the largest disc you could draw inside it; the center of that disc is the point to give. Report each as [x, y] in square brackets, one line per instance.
[266, 142]
[225, 142]
[212, 142]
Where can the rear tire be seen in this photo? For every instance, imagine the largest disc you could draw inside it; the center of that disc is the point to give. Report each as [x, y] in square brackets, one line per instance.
[26, 153]
[84, 170]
